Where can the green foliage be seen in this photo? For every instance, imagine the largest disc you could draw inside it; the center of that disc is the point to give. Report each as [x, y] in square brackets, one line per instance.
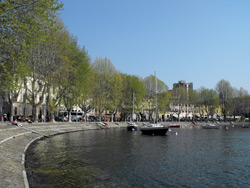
[132, 85]
[76, 71]
[24, 26]
[150, 92]
[225, 92]
[163, 101]
[106, 86]
[209, 100]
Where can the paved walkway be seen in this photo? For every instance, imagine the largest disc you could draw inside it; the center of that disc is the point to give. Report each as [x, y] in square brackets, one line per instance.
[15, 140]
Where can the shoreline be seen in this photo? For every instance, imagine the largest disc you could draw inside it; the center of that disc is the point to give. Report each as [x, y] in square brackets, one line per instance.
[14, 142]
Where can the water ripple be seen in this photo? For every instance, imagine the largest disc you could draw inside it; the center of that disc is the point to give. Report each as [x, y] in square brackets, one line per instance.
[117, 158]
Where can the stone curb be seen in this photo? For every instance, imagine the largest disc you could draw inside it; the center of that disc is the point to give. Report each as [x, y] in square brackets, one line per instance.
[26, 182]
[11, 149]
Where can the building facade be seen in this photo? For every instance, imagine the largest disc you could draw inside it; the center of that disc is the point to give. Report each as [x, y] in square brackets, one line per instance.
[184, 85]
[180, 106]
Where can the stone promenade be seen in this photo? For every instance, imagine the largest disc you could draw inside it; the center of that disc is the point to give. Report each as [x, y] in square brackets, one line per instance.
[14, 141]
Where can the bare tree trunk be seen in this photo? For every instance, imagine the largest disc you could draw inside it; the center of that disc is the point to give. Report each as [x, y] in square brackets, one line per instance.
[69, 114]
[52, 116]
[11, 110]
[100, 117]
[34, 113]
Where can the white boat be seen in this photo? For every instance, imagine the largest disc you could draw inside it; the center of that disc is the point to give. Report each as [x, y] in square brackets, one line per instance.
[210, 126]
[132, 126]
[101, 125]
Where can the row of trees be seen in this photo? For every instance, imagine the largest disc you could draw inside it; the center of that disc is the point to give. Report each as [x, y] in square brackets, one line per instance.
[39, 57]
[111, 91]
[221, 100]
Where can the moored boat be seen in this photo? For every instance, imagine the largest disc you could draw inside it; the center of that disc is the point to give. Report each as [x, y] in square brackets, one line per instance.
[245, 126]
[154, 129]
[132, 126]
[174, 126]
[210, 126]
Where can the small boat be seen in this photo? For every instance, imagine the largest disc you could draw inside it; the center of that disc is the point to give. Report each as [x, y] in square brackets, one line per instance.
[154, 129]
[174, 126]
[101, 125]
[210, 126]
[105, 123]
[132, 126]
[245, 126]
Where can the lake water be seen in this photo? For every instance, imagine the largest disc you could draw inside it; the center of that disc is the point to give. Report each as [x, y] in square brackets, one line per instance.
[118, 158]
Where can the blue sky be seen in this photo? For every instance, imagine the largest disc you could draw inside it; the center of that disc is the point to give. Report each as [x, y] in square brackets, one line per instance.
[199, 41]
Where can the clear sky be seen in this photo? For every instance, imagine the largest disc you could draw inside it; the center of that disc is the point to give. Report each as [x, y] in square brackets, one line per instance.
[199, 41]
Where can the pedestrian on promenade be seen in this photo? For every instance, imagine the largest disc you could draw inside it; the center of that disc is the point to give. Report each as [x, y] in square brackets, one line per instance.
[43, 118]
[29, 121]
[14, 122]
[5, 117]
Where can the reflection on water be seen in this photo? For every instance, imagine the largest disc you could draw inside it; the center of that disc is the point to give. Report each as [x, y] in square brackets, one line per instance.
[118, 158]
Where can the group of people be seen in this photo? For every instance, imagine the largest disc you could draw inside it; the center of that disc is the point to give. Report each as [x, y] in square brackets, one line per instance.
[5, 118]
[14, 122]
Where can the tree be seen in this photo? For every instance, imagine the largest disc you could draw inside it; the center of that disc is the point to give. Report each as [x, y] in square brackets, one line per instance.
[150, 88]
[133, 90]
[104, 73]
[224, 91]
[77, 69]
[209, 100]
[22, 27]
[163, 101]
[86, 101]
[193, 101]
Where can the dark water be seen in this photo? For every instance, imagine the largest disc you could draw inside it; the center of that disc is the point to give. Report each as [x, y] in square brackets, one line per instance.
[117, 158]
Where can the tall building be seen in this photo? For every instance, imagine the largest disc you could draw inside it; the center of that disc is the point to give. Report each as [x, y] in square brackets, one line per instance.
[183, 84]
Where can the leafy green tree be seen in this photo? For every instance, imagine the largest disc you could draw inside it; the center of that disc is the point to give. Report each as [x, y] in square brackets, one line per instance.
[149, 99]
[23, 25]
[104, 84]
[225, 92]
[133, 90]
[163, 101]
[115, 96]
[209, 100]
[77, 69]
[86, 101]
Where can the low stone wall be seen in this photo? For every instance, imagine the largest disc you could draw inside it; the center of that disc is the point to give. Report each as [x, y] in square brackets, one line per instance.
[15, 140]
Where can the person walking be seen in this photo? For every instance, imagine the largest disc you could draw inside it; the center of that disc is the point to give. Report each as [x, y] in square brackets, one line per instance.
[5, 118]
[43, 118]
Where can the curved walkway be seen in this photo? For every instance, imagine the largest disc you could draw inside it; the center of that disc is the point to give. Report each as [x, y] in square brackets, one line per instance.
[14, 141]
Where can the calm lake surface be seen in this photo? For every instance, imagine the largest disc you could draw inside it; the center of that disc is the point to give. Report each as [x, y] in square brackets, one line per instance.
[118, 158]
